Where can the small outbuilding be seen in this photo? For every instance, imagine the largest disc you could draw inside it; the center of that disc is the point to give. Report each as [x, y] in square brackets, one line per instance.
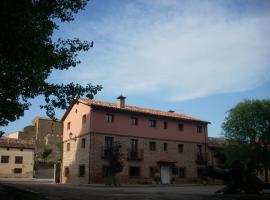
[16, 158]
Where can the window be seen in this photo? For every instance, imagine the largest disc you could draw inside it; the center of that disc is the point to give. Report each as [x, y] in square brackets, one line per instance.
[18, 159]
[165, 125]
[175, 171]
[68, 126]
[83, 142]
[152, 146]
[7, 148]
[109, 118]
[134, 121]
[134, 171]
[199, 171]
[4, 159]
[134, 145]
[83, 119]
[21, 149]
[68, 146]
[106, 171]
[180, 147]
[153, 123]
[199, 150]
[151, 172]
[76, 111]
[199, 129]
[66, 171]
[182, 172]
[81, 170]
[108, 142]
[165, 146]
[204, 129]
[17, 170]
[180, 127]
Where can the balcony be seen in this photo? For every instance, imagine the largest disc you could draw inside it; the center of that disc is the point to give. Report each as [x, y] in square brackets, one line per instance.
[106, 153]
[135, 155]
[200, 159]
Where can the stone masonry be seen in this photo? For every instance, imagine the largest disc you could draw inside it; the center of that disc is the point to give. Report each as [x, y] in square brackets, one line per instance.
[77, 156]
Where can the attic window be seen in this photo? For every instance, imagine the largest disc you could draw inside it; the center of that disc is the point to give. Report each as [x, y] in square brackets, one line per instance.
[152, 123]
[84, 119]
[68, 126]
[109, 118]
[199, 129]
[180, 127]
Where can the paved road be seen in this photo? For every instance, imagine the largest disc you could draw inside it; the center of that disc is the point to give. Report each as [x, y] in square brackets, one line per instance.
[89, 192]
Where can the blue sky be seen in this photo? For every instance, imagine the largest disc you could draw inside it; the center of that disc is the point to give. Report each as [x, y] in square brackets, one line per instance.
[199, 58]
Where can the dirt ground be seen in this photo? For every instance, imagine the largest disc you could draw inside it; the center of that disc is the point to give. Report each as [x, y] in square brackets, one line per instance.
[140, 192]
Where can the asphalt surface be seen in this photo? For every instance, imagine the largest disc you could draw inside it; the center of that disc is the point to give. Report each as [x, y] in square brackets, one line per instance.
[140, 192]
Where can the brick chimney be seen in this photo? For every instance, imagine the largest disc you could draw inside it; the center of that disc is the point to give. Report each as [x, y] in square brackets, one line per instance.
[121, 101]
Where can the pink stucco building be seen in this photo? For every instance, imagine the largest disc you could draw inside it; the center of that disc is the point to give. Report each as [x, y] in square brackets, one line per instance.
[154, 143]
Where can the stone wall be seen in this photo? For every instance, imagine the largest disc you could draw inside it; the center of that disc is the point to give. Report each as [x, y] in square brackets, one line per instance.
[48, 134]
[77, 156]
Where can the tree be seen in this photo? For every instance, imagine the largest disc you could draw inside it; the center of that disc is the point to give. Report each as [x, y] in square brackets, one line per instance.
[45, 154]
[115, 161]
[248, 133]
[60, 147]
[29, 54]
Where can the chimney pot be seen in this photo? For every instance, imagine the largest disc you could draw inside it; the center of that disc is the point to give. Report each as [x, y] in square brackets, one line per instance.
[121, 101]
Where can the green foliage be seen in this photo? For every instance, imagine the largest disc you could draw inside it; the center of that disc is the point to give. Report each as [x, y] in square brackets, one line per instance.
[173, 180]
[29, 54]
[116, 165]
[157, 179]
[115, 158]
[246, 129]
[59, 146]
[46, 152]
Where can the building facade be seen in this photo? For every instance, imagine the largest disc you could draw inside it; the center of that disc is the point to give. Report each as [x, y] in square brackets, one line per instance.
[154, 143]
[46, 133]
[17, 158]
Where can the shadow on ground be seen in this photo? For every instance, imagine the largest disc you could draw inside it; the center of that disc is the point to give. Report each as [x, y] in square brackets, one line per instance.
[13, 193]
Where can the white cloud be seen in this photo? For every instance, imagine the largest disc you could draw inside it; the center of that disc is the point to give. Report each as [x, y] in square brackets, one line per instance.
[189, 50]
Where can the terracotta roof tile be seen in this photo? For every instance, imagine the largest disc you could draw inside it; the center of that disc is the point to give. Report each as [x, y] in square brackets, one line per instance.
[16, 143]
[140, 110]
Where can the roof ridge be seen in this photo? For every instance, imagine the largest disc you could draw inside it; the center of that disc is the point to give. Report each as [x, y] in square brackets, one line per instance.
[139, 109]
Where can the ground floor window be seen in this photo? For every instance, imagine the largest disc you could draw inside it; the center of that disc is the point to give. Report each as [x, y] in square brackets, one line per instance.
[134, 171]
[106, 171]
[4, 159]
[18, 159]
[199, 171]
[17, 170]
[81, 170]
[175, 171]
[182, 172]
[66, 171]
[151, 172]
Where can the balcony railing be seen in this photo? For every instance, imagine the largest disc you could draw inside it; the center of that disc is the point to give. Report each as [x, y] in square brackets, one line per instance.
[135, 155]
[200, 159]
